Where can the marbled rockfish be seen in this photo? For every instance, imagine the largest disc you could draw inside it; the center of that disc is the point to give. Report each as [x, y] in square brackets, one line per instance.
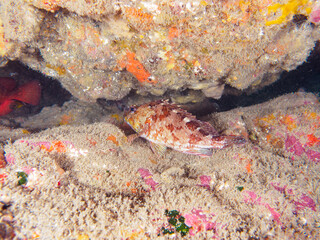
[167, 125]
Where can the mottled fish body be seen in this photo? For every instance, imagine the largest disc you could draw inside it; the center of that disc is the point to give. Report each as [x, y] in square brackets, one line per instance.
[167, 125]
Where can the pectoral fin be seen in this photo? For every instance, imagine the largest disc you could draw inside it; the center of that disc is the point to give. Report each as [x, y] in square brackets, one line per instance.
[202, 152]
[158, 149]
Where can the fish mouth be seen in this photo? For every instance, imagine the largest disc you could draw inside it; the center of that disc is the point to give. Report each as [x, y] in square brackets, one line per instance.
[129, 121]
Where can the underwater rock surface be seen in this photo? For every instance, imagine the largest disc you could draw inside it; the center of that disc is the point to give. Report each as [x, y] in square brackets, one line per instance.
[104, 49]
[87, 181]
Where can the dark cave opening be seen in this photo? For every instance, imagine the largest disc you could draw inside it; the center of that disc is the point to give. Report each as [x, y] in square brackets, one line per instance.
[52, 92]
[305, 78]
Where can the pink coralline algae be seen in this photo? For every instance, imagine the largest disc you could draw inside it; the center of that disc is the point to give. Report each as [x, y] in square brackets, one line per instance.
[199, 221]
[27, 169]
[315, 15]
[283, 189]
[294, 145]
[147, 178]
[251, 197]
[313, 155]
[205, 181]
[304, 201]
[10, 158]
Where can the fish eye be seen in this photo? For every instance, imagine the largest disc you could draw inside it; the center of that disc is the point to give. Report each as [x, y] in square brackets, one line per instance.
[131, 109]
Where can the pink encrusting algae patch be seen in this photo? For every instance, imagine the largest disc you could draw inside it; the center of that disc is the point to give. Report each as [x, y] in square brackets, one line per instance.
[293, 145]
[283, 189]
[199, 221]
[313, 155]
[147, 178]
[10, 158]
[276, 216]
[278, 188]
[304, 201]
[27, 169]
[205, 181]
[251, 197]
[297, 134]
[315, 14]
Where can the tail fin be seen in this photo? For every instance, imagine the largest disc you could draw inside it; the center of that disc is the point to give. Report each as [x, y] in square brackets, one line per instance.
[28, 93]
[227, 140]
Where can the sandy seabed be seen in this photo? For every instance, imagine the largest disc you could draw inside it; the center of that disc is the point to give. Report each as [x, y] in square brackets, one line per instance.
[88, 182]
